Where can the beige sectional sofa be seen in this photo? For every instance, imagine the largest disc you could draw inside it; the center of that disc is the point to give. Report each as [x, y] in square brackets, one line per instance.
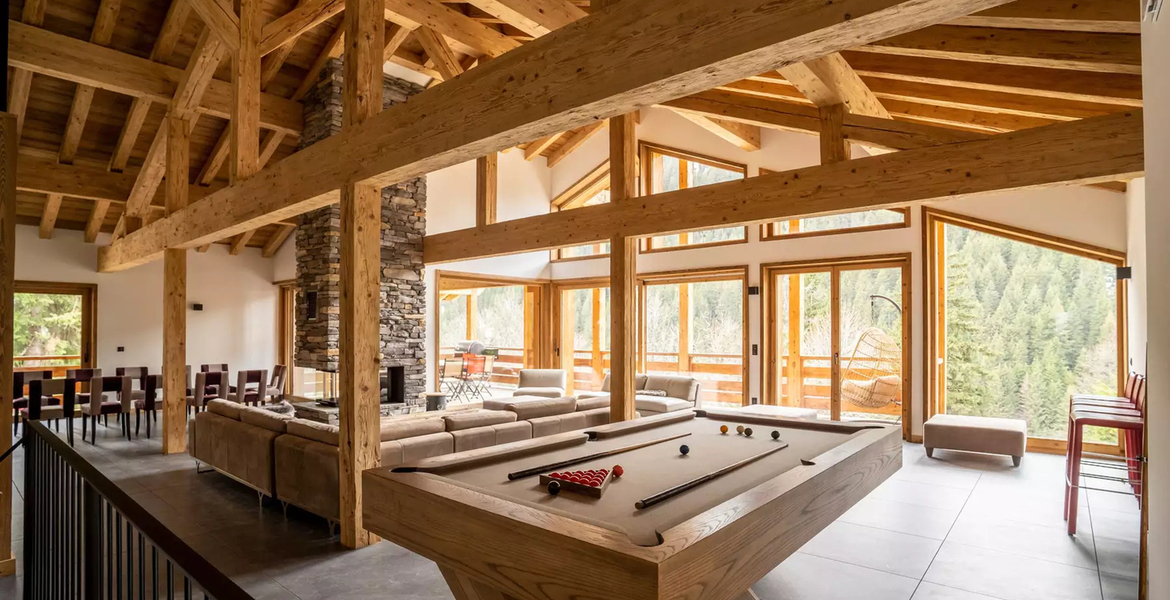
[671, 393]
[295, 461]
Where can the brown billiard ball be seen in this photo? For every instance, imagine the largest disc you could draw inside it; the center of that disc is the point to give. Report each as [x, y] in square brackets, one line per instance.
[554, 487]
[722, 429]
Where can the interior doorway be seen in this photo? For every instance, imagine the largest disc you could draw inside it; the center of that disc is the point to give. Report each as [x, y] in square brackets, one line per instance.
[54, 326]
[836, 335]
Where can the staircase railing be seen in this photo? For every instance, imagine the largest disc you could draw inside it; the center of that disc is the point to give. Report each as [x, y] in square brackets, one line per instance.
[86, 538]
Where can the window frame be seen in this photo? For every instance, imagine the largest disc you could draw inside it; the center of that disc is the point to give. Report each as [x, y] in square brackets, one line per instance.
[768, 231]
[646, 151]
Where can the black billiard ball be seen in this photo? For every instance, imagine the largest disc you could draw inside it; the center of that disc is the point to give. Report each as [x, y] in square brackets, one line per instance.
[554, 487]
[722, 429]
[684, 449]
[748, 432]
[775, 434]
[739, 429]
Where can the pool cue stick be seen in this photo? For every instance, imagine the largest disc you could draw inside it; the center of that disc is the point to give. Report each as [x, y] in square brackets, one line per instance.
[580, 459]
[682, 487]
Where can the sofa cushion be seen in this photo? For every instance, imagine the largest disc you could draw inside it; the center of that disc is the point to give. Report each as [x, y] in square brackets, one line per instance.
[544, 392]
[281, 408]
[512, 432]
[639, 382]
[542, 426]
[653, 393]
[592, 402]
[784, 412]
[426, 446]
[224, 408]
[542, 407]
[652, 404]
[307, 474]
[259, 417]
[596, 417]
[397, 429]
[312, 430]
[476, 437]
[675, 386]
[477, 418]
[241, 450]
[542, 378]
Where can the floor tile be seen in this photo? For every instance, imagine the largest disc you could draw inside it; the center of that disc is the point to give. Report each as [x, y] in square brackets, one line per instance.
[1118, 557]
[921, 494]
[889, 551]
[1115, 587]
[1010, 576]
[901, 517]
[1025, 539]
[934, 591]
[806, 577]
[1122, 525]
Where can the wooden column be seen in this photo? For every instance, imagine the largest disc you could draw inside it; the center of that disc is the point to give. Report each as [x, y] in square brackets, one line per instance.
[622, 158]
[174, 430]
[684, 328]
[8, 136]
[361, 242]
[834, 146]
[245, 123]
[486, 189]
[623, 311]
[595, 358]
[795, 363]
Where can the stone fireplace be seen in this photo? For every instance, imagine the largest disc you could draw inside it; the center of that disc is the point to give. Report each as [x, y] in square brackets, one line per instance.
[318, 243]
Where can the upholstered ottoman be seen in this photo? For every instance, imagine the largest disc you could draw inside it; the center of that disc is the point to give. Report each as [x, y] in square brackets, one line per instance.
[786, 412]
[976, 434]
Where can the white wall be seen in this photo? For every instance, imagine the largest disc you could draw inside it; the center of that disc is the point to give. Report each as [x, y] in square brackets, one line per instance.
[523, 192]
[237, 324]
[1088, 215]
[1156, 98]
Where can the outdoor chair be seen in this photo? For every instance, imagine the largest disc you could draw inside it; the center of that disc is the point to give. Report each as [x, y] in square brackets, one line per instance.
[451, 377]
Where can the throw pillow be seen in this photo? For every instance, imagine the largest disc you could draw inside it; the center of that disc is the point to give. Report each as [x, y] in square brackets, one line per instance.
[656, 393]
[281, 408]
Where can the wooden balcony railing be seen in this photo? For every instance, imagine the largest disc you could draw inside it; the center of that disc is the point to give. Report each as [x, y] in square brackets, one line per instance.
[59, 363]
[721, 374]
[815, 391]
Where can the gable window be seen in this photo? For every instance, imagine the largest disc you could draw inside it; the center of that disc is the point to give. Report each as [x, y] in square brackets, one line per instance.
[590, 190]
[866, 220]
[666, 170]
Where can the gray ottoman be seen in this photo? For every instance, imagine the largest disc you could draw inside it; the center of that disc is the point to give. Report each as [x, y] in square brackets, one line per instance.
[976, 434]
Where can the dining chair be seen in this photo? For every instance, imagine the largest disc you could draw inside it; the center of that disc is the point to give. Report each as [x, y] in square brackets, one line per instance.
[276, 384]
[149, 403]
[217, 367]
[83, 377]
[207, 388]
[42, 406]
[20, 379]
[121, 388]
[250, 387]
[138, 375]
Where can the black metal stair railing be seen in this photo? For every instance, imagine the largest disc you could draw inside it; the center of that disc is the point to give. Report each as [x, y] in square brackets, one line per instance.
[86, 538]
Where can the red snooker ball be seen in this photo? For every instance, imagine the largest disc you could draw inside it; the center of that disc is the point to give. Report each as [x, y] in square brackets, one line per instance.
[618, 471]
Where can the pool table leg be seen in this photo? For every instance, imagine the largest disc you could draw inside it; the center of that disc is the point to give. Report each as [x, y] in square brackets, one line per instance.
[466, 588]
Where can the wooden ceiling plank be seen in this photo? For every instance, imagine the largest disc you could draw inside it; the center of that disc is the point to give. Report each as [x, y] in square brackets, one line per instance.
[451, 23]
[97, 216]
[1084, 86]
[49, 216]
[508, 101]
[33, 13]
[742, 135]
[291, 25]
[574, 140]
[220, 17]
[829, 80]
[538, 147]
[103, 30]
[1101, 16]
[272, 246]
[437, 49]
[172, 29]
[1087, 151]
[1101, 52]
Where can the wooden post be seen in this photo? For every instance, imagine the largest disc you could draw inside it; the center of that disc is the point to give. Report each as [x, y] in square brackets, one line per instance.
[940, 323]
[361, 243]
[568, 321]
[622, 158]
[595, 361]
[472, 308]
[684, 328]
[174, 408]
[245, 123]
[623, 311]
[834, 146]
[795, 362]
[8, 136]
[486, 189]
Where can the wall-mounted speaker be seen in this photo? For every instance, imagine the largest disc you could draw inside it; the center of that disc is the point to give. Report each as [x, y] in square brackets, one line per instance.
[1124, 273]
[197, 306]
[753, 290]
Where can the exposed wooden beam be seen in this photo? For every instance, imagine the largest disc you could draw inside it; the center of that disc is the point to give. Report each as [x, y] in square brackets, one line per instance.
[361, 274]
[103, 29]
[49, 216]
[1014, 104]
[220, 17]
[455, 25]
[97, 216]
[1103, 52]
[765, 112]
[956, 117]
[623, 158]
[174, 418]
[245, 123]
[268, 146]
[829, 80]
[538, 147]
[583, 189]
[743, 135]
[1102, 16]
[395, 35]
[272, 246]
[534, 17]
[217, 158]
[834, 146]
[240, 242]
[291, 25]
[80, 61]
[573, 141]
[507, 101]
[437, 49]
[1087, 151]
[623, 271]
[331, 50]
[487, 169]
[33, 14]
[203, 248]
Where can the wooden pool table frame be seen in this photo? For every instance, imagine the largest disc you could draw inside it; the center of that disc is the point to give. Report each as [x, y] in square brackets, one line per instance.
[492, 547]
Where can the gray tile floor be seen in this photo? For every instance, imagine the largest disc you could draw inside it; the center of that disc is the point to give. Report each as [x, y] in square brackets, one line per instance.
[957, 527]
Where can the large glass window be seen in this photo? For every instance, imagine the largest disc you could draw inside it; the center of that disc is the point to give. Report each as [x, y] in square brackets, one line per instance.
[667, 170]
[52, 326]
[590, 190]
[866, 220]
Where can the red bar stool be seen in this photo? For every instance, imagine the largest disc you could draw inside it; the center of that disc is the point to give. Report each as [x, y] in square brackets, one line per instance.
[1130, 424]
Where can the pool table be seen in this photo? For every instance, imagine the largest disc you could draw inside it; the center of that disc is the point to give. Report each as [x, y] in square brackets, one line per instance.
[499, 538]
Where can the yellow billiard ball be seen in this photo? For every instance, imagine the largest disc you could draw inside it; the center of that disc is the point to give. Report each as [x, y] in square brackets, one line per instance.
[722, 429]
